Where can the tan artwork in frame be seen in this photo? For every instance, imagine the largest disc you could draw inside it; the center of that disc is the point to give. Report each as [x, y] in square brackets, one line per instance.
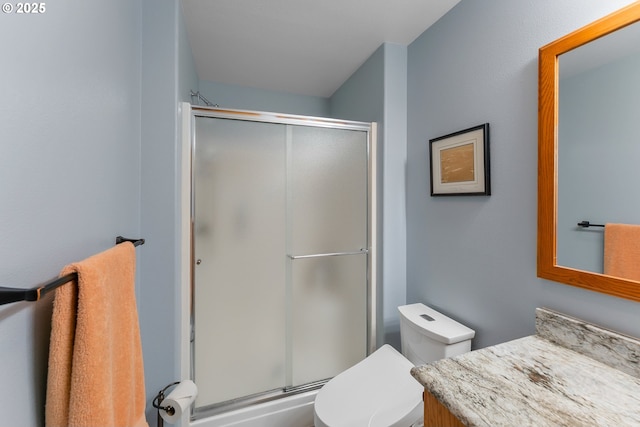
[460, 163]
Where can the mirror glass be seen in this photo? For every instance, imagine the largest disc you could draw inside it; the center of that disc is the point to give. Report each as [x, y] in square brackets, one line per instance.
[588, 149]
[598, 144]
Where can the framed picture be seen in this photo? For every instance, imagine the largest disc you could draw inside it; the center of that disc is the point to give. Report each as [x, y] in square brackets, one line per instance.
[460, 163]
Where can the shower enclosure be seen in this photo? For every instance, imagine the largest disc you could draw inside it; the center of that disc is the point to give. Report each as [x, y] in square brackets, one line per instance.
[282, 253]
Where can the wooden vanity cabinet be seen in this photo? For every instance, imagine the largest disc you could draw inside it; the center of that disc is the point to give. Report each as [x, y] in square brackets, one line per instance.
[436, 415]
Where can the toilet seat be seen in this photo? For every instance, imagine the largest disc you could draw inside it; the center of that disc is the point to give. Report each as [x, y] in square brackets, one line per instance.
[377, 392]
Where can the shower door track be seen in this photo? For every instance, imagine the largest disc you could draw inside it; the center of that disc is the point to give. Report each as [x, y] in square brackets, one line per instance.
[255, 399]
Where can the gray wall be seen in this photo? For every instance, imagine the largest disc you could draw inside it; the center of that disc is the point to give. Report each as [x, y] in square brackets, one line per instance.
[168, 77]
[474, 258]
[88, 152]
[247, 98]
[69, 166]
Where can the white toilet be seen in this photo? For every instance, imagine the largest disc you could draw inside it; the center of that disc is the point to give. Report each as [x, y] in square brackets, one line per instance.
[380, 391]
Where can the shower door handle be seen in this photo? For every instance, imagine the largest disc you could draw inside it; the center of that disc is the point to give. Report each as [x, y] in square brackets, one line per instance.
[360, 252]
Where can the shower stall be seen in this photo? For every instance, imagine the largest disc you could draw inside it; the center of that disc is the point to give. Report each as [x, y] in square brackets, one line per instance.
[282, 254]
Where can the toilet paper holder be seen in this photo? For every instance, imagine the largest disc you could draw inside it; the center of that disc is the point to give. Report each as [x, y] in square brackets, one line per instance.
[177, 404]
[157, 401]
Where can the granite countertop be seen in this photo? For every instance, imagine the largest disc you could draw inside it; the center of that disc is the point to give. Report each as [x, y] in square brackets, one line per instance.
[571, 373]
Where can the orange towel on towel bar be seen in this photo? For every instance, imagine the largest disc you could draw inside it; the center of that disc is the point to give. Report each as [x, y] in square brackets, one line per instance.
[95, 358]
[622, 251]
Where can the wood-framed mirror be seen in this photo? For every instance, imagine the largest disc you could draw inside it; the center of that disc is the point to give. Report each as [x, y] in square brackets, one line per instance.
[548, 159]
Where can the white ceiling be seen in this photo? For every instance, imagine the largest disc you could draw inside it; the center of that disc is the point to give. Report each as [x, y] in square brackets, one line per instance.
[306, 47]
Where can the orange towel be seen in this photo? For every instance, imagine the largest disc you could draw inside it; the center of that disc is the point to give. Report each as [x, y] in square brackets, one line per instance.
[622, 251]
[95, 358]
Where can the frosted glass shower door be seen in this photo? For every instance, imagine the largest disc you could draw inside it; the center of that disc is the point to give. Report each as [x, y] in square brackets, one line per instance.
[327, 208]
[280, 248]
[239, 216]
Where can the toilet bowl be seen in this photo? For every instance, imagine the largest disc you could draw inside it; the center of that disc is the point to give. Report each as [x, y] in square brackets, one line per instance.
[376, 392]
[379, 391]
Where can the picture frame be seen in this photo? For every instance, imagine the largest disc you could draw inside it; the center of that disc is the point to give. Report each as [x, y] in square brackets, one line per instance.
[459, 163]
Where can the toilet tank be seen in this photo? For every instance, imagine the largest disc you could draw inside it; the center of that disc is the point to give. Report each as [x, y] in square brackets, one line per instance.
[427, 335]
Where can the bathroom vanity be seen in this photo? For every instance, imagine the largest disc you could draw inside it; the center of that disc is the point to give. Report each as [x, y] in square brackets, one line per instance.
[570, 373]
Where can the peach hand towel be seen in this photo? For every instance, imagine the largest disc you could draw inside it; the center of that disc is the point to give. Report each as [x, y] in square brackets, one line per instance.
[622, 251]
[96, 373]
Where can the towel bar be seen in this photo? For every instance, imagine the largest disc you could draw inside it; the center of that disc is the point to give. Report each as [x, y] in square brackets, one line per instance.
[587, 224]
[10, 295]
[361, 251]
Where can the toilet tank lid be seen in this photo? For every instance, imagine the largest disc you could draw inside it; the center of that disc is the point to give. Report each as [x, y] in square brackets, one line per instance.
[441, 328]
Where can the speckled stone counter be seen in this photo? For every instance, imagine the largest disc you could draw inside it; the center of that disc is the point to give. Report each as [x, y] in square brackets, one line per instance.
[571, 373]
